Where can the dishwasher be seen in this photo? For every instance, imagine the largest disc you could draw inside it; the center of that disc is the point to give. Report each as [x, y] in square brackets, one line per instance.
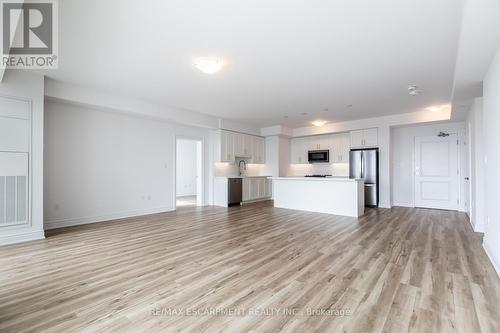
[234, 191]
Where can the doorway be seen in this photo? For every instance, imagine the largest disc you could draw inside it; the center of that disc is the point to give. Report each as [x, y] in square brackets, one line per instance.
[188, 174]
[436, 171]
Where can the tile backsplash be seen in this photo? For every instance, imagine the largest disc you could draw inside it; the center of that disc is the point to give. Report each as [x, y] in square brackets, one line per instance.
[231, 170]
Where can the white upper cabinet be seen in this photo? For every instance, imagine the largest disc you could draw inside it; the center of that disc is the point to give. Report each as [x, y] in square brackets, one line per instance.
[340, 148]
[320, 142]
[231, 145]
[226, 147]
[247, 145]
[371, 137]
[259, 150]
[298, 150]
[364, 138]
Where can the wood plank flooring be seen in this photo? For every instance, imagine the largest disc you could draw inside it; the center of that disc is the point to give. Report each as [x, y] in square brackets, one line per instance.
[254, 268]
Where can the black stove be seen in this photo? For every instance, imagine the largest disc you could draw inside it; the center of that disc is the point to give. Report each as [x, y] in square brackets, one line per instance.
[318, 176]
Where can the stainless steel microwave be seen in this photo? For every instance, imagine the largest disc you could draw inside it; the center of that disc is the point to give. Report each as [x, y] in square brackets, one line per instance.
[318, 156]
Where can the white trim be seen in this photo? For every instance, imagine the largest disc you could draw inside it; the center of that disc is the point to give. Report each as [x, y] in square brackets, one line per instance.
[54, 224]
[403, 204]
[22, 237]
[479, 228]
[493, 260]
[255, 200]
[197, 139]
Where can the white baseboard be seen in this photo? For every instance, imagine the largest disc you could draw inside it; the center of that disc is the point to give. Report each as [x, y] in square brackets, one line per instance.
[256, 200]
[494, 261]
[404, 204]
[384, 206]
[22, 237]
[54, 224]
[479, 228]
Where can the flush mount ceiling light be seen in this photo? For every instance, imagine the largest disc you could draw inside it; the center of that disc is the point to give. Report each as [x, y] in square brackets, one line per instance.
[319, 123]
[413, 90]
[208, 65]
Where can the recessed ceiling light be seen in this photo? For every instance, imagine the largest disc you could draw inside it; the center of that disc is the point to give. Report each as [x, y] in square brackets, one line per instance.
[319, 123]
[349, 106]
[208, 65]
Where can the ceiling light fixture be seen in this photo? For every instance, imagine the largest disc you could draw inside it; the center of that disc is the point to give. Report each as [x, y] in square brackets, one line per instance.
[208, 65]
[319, 123]
[413, 90]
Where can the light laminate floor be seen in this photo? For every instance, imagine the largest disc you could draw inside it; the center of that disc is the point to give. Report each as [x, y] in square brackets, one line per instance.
[393, 270]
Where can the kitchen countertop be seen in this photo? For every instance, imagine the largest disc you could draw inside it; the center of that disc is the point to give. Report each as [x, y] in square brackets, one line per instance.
[332, 178]
[242, 176]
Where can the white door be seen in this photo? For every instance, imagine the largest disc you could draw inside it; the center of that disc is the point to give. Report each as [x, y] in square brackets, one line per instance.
[436, 172]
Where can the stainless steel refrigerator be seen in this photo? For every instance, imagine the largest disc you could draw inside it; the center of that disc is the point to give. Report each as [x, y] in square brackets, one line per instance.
[363, 164]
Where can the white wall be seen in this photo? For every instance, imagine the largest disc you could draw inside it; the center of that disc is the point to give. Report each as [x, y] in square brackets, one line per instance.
[102, 165]
[474, 128]
[186, 163]
[28, 86]
[491, 136]
[403, 139]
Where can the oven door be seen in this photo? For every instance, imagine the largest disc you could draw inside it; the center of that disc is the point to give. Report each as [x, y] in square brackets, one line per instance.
[318, 156]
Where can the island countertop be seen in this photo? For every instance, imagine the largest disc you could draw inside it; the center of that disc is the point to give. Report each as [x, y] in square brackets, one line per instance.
[331, 195]
[330, 178]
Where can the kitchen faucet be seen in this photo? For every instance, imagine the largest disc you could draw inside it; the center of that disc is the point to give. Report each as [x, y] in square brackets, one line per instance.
[244, 166]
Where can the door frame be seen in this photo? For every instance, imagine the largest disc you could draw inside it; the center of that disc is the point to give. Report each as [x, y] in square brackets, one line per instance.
[459, 168]
[471, 210]
[174, 166]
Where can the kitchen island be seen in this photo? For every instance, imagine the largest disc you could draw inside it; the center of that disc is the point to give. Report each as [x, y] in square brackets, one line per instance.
[331, 195]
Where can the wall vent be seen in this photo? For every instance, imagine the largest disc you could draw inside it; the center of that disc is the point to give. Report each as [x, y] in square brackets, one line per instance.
[13, 200]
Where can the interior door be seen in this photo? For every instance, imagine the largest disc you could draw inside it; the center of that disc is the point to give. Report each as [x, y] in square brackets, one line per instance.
[436, 172]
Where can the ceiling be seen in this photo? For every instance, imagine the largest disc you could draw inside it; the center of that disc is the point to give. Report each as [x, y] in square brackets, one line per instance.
[303, 60]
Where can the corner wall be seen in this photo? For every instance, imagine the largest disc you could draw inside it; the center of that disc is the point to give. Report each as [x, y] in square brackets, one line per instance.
[491, 132]
[103, 165]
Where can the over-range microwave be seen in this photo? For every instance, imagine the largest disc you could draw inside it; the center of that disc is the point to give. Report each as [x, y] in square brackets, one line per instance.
[318, 156]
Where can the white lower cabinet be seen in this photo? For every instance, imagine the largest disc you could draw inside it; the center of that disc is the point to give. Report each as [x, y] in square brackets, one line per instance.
[256, 188]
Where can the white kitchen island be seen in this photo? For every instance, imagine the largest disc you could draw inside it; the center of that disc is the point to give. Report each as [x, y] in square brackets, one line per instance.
[332, 195]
